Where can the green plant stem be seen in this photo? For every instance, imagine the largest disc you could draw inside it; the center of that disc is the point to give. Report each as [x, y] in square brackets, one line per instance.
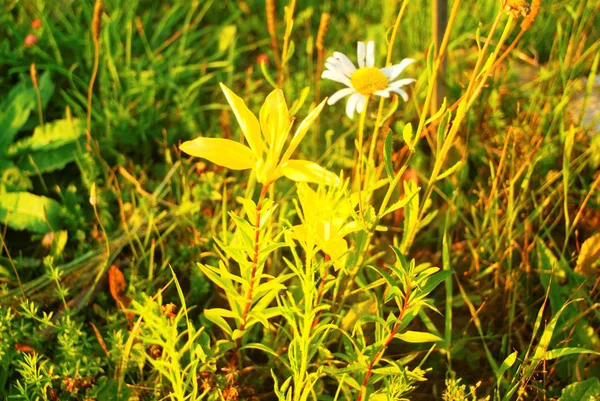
[359, 172]
[388, 62]
[387, 342]
[39, 105]
[12, 263]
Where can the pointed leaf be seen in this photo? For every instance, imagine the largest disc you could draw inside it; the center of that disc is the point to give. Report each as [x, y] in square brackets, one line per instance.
[224, 152]
[418, 337]
[246, 119]
[305, 171]
[387, 155]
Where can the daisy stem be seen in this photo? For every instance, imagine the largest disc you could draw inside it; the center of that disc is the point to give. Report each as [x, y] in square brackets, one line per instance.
[388, 62]
[359, 170]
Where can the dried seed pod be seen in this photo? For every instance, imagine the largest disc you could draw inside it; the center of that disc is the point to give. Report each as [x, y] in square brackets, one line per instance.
[34, 76]
[97, 20]
[533, 12]
[270, 6]
[323, 24]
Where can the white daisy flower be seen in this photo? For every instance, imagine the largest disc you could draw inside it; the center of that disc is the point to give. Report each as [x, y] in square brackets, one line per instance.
[365, 81]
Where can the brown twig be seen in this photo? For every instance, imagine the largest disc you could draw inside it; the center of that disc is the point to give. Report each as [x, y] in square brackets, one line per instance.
[387, 342]
[270, 7]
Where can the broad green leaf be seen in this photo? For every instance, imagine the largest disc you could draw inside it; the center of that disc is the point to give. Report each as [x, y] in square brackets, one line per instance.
[50, 136]
[17, 106]
[45, 161]
[588, 390]
[418, 337]
[26, 211]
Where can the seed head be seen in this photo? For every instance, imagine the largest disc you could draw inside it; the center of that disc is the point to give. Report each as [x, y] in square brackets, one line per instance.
[97, 20]
[34, 75]
[325, 17]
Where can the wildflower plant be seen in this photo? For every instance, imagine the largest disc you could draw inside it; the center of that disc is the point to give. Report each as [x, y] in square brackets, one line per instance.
[248, 298]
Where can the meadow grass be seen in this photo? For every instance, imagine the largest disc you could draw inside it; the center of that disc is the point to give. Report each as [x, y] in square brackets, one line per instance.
[456, 258]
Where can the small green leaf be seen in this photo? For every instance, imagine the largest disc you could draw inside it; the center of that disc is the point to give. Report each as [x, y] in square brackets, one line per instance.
[402, 202]
[418, 337]
[438, 114]
[407, 133]
[387, 155]
[451, 170]
[227, 37]
[433, 281]
[216, 316]
[506, 364]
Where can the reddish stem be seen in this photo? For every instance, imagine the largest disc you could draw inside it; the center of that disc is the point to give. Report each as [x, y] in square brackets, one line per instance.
[385, 345]
[263, 193]
[248, 302]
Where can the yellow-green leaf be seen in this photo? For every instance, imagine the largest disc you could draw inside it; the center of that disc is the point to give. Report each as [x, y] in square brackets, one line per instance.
[223, 152]
[418, 337]
[588, 256]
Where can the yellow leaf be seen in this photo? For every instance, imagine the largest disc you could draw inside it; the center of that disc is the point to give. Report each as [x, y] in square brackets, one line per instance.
[305, 171]
[588, 257]
[223, 152]
[336, 248]
[246, 119]
[275, 122]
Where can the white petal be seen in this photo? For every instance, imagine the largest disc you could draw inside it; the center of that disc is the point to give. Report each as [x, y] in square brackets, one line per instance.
[401, 92]
[401, 82]
[395, 70]
[361, 104]
[351, 105]
[360, 53]
[337, 77]
[370, 54]
[333, 67]
[339, 95]
[345, 63]
[383, 93]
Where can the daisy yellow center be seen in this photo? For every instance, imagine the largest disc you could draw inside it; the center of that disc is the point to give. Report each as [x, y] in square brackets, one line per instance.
[368, 80]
